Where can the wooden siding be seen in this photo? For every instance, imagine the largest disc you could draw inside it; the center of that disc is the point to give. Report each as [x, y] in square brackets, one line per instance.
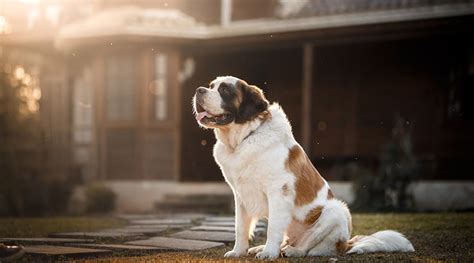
[360, 90]
[357, 91]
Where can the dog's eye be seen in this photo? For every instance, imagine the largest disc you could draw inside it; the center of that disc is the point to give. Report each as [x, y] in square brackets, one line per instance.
[225, 89]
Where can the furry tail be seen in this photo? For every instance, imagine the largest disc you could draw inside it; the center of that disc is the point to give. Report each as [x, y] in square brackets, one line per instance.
[382, 241]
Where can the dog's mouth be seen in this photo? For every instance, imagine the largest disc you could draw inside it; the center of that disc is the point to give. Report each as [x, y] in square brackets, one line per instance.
[205, 117]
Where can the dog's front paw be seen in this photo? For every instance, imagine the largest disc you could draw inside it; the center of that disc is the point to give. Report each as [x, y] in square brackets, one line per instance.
[234, 253]
[255, 250]
[290, 251]
[267, 254]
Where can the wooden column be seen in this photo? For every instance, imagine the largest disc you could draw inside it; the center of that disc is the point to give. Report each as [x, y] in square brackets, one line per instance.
[226, 12]
[99, 112]
[307, 96]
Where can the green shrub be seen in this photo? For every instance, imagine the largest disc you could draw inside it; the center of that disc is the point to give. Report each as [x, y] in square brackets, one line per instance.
[99, 199]
[23, 195]
[387, 188]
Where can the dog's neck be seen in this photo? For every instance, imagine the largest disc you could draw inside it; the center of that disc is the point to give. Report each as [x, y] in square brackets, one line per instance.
[234, 134]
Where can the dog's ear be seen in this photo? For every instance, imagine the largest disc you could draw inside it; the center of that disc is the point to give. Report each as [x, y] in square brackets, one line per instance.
[252, 104]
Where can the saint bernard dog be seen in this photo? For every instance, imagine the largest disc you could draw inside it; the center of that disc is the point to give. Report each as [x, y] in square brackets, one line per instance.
[272, 177]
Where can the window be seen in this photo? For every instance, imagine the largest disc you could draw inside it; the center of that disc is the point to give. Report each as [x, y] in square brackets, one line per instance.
[159, 88]
[121, 86]
[83, 121]
[461, 90]
[82, 107]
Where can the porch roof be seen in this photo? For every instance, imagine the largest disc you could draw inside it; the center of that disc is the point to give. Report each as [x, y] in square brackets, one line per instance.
[173, 24]
[146, 24]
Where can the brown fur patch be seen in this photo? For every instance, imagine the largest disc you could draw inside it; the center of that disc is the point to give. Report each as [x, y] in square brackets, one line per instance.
[330, 194]
[285, 189]
[265, 116]
[341, 247]
[308, 180]
[313, 215]
[252, 102]
[239, 95]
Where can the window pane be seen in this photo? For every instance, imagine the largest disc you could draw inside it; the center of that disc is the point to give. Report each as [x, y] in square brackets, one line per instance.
[82, 107]
[122, 147]
[121, 83]
[160, 87]
[159, 155]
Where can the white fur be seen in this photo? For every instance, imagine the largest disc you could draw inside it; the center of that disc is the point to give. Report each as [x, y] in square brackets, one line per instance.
[252, 159]
[382, 241]
[211, 102]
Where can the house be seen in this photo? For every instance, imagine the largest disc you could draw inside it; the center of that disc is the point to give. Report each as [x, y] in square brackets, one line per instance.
[118, 77]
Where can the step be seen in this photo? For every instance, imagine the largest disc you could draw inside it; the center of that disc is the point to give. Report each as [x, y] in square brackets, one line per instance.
[210, 203]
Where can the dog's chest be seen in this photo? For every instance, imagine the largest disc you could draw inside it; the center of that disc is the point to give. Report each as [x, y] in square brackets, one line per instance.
[245, 176]
[251, 195]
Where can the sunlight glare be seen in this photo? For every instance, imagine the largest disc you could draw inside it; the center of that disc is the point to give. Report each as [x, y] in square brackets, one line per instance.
[30, 2]
[19, 72]
[4, 26]
[36, 94]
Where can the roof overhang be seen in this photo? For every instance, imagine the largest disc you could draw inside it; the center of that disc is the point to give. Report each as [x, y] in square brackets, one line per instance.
[274, 26]
[134, 23]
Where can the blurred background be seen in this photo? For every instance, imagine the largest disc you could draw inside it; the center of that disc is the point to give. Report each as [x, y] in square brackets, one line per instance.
[95, 99]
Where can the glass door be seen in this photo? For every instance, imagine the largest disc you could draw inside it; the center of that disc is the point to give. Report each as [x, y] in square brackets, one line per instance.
[161, 132]
[140, 116]
[122, 149]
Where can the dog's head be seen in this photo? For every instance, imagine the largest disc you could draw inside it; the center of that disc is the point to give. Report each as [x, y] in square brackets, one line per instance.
[228, 100]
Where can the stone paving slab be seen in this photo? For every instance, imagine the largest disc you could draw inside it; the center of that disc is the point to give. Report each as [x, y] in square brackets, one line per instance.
[106, 235]
[137, 216]
[228, 223]
[218, 223]
[220, 219]
[206, 235]
[231, 229]
[214, 228]
[191, 216]
[176, 243]
[60, 250]
[176, 221]
[177, 226]
[45, 240]
[136, 231]
[122, 247]
[158, 226]
[152, 227]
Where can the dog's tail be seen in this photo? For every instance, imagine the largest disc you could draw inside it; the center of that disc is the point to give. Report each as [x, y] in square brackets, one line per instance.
[382, 241]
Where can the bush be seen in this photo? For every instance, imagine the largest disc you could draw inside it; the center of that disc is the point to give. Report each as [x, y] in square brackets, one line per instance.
[387, 188]
[25, 195]
[99, 199]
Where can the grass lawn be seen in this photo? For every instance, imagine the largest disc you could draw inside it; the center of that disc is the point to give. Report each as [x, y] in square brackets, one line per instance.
[436, 237]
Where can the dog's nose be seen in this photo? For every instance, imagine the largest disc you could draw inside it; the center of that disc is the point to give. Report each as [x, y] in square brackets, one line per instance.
[201, 90]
